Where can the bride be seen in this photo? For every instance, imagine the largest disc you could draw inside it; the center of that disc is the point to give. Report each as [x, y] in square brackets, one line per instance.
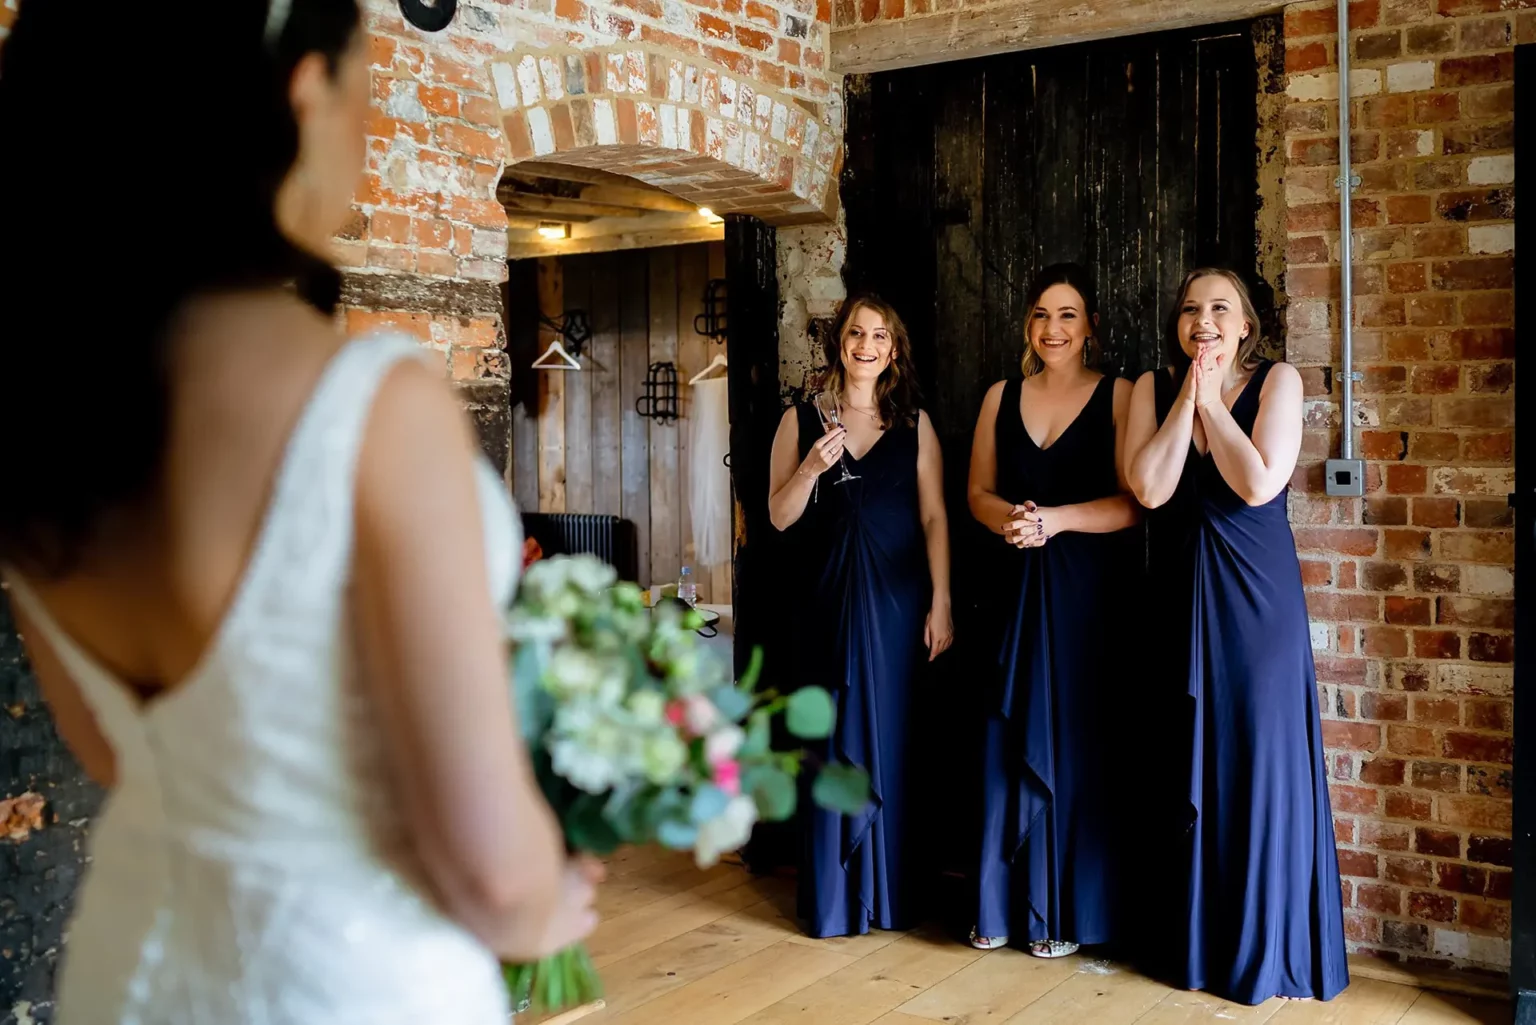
[262, 597]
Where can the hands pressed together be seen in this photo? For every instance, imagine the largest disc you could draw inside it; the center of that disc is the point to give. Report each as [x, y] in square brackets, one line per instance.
[1029, 526]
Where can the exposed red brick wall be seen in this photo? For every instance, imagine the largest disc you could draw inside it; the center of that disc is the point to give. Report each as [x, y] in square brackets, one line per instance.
[1410, 589]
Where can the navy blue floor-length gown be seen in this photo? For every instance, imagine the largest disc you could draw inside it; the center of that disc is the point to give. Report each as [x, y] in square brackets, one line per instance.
[1048, 866]
[1262, 914]
[859, 632]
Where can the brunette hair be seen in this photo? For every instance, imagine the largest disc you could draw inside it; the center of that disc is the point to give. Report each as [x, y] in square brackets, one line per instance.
[896, 392]
[205, 194]
[1076, 277]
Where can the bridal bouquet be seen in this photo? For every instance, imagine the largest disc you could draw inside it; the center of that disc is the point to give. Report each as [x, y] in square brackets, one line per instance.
[639, 736]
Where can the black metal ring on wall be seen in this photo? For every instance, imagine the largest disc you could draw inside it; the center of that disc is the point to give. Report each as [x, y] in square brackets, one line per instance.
[429, 17]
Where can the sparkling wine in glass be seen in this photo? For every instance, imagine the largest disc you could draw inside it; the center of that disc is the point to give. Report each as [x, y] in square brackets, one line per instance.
[831, 419]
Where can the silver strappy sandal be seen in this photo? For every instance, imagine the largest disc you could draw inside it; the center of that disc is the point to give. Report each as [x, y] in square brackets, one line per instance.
[987, 942]
[1052, 948]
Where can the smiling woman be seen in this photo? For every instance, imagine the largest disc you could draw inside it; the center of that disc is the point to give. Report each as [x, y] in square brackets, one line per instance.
[874, 543]
[1260, 913]
[1046, 476]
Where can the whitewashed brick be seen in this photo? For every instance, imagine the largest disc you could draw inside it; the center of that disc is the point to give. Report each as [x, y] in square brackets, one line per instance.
[1491, 239]
[505, 81]
[1456, 678]
[541, 130]
[1499, 170]
[604, 122]
[1410, 76]
[1322, 86]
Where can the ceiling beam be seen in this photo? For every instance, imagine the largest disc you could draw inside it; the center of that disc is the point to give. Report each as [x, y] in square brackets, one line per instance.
[528, 222]
[518, 249]
[635, 197]
[568, 173]
[556, 207]
[990, 28]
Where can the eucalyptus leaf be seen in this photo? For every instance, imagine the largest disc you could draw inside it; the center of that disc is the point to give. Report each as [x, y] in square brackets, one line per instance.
[587, 828]
[676, 834]
[759, 736]
[732, 703]
[708, 803]
[668, 805]
[810, 714]
[535, 705]
[774, 792]
[841, 788]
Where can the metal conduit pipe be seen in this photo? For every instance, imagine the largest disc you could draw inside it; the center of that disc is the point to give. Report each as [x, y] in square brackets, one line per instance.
[1345, 475]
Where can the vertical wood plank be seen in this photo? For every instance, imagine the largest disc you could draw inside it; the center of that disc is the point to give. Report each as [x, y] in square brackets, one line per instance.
[694, 352]
[522, 319]
[551, 394]
[720, 576]
[607, 396]
[634, 355]
[666, 539]
[577, 290]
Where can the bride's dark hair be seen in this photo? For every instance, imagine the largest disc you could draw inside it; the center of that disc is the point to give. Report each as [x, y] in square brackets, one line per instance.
[114, 218]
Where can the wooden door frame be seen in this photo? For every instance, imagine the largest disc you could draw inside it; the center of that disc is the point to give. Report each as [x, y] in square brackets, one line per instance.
[752, 351]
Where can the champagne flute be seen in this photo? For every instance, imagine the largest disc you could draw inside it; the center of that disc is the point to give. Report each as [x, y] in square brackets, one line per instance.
[831, 419]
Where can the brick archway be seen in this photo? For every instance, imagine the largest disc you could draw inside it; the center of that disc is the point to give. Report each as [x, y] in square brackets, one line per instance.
[713, 138]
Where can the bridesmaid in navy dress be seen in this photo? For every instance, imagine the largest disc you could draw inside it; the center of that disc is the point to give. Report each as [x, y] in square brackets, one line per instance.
[862, 497]
[1045, 475]
[1211, 453]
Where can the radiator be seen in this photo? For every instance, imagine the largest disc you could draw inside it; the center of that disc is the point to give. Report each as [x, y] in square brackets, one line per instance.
[610, 538]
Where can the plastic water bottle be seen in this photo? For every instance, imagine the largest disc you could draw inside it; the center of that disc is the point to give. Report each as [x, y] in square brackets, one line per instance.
[687, 590]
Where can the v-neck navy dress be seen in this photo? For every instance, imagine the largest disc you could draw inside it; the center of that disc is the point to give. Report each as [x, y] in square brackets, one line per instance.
[862, 557]
[1261, 912]
[1048, 852]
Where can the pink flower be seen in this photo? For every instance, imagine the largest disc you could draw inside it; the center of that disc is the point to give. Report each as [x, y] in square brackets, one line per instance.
[700, 714]
[675, 713]
[728, 776]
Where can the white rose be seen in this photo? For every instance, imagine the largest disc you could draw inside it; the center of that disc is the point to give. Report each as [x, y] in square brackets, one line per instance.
[572, 671]
[591, 574]
[648, 707]
[662, 755]
[722, 744]
[725, 832]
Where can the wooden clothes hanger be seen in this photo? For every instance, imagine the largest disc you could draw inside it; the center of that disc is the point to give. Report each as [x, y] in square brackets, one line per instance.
[718, 361]
[548, 361]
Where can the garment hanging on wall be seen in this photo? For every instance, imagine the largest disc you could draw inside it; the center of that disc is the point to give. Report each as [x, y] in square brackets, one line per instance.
[709, 481]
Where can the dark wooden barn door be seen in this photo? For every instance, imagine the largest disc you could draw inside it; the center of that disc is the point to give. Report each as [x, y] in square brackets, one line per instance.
[1137, 157]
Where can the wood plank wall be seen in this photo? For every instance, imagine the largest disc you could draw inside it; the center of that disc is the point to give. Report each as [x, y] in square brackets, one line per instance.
[579, 445]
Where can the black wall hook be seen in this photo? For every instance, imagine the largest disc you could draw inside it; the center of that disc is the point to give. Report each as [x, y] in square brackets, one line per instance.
[660, 399]
[572, 327]
[712, 322]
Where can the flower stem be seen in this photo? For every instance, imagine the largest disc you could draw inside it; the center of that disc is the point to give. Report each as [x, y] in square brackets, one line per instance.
[566, 979]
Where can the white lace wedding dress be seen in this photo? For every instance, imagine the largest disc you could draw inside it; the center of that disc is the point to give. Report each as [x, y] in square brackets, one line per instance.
[252, 865]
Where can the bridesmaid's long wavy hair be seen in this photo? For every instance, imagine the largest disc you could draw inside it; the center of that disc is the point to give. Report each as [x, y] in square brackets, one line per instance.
[1076, 277]
[896, 392]
[1248, 348]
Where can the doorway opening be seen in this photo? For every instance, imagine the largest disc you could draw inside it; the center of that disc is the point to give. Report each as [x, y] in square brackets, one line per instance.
[1137, 157]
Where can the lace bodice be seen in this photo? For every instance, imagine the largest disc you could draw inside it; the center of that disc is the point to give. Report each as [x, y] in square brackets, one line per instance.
[252, 865]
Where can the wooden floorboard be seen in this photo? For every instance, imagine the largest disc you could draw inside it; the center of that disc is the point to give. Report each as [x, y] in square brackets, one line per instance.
[680, 946]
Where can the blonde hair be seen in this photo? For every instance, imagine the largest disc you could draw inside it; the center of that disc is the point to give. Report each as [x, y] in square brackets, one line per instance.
[1248, 348]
